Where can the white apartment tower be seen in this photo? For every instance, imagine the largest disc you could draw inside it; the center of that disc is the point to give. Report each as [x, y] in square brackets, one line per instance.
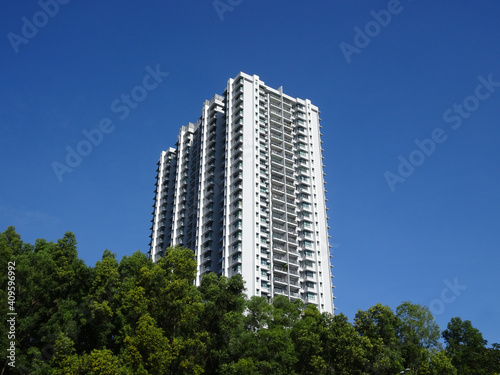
[244, 189]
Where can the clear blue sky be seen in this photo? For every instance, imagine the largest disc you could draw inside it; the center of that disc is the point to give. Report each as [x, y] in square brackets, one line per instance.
[442, 223]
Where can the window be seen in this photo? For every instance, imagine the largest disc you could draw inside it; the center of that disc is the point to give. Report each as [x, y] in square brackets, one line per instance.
[237, 268]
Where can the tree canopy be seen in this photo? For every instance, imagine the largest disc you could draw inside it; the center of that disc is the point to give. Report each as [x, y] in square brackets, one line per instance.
[136, 317]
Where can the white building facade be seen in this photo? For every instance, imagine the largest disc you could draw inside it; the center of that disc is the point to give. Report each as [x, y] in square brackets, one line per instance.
[244, 188]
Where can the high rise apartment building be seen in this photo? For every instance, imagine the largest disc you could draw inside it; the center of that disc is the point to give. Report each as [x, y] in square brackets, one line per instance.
[244, 189]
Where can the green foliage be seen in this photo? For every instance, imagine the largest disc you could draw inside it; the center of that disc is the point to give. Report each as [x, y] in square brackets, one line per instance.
[222, 318]
[419, 334]
[467, 349]
[381, 326]
[136, 317]
[438, 364]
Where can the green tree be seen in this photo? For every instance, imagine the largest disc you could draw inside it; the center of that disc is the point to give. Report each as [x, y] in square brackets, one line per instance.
[346, 349]
[493, 358]
[380, 326]
[99, 317]
[308, 335]
[467, 348]
[222, 316]
[438, 364]
[149, 351]
[10, 244]
[419, 334]
[66, 361]
[50, 283]
[263, 341]
[168, 292]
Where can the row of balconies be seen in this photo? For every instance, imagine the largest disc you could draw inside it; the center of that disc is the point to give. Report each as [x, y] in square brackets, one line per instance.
[283, 259]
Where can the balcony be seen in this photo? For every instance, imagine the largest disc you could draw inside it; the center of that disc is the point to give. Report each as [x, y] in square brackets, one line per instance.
[279, 180]
[278, 188]
[276, 127]
[277, 158]
[276, 137]
[279, 249]
[278, 217]
[281, 258]
[280, 291]
[310, 276]
[311, 297]
[279, 237]
[276, 145]
[308, 265]
[237, 143]
[281, 280]
[276, 169]
[278, 197]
